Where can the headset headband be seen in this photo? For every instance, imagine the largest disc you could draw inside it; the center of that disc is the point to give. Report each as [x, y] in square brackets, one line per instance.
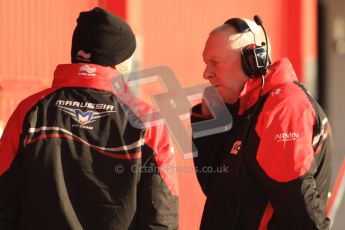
[239, 24]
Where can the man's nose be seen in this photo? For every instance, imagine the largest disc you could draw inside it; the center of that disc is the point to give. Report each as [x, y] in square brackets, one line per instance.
[207, 73]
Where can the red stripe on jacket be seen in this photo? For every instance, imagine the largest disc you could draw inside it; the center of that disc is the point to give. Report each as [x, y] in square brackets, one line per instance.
[266, 217]
[124, 156]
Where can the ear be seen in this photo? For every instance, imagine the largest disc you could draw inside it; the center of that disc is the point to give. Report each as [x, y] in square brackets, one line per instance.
[125, 66]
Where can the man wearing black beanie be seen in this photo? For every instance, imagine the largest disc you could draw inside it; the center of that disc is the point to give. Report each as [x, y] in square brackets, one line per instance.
[70, 156]
[102, 38]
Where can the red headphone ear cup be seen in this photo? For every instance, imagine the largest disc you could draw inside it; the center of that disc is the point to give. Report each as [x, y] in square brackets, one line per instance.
[251, 46]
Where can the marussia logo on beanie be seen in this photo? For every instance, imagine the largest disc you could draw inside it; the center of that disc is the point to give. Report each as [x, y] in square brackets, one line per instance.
[83, 56]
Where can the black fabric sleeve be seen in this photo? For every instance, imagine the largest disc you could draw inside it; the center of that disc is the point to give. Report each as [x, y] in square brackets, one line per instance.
[10, 171]
[297, 205]
[301, 203]
[157, 206]
[10, 197]
[158, 202]
[208, 156]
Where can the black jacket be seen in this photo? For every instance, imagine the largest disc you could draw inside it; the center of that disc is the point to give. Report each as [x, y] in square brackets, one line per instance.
[78, 156]
[277, 156]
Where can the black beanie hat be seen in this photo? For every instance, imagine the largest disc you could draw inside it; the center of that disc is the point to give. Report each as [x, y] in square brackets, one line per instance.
[102, 38]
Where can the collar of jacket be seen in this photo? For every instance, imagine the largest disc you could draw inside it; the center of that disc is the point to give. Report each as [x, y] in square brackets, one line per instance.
[281, 72]
[86, 75]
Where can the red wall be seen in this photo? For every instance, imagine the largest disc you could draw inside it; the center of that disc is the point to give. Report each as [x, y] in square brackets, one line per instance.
[35, 37]
[118, 7]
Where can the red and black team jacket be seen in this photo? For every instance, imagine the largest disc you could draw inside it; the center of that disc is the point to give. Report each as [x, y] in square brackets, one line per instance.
[277, 156]
[79, 156]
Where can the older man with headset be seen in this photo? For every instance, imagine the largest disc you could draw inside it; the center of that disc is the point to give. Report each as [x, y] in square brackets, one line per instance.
[278, 150]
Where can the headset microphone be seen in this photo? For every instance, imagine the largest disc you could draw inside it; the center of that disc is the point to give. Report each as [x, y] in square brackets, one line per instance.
[258, 21]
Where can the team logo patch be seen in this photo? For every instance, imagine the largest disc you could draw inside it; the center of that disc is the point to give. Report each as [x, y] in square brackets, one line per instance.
[291, 136]
[84, 117]
[276, 92]
[83, 56]
[236, 147]
[87, 70]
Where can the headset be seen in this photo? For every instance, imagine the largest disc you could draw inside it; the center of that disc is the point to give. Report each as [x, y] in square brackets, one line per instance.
[255, 59]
